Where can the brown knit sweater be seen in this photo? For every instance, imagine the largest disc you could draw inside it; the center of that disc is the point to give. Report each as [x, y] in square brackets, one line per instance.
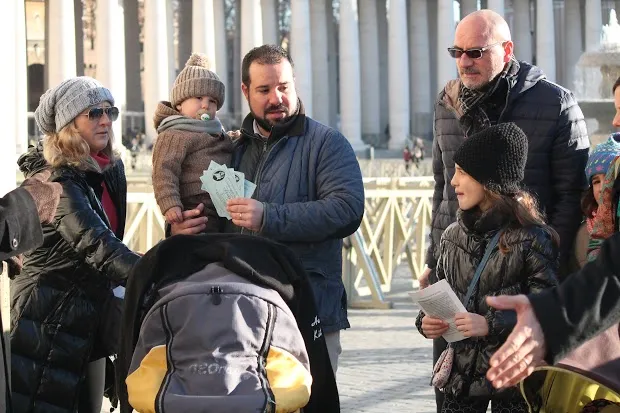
[179, 159]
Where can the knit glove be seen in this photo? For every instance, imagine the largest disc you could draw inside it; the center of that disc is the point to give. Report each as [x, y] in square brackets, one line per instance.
[46, 195]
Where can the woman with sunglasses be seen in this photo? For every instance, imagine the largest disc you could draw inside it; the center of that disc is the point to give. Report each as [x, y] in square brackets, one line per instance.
[58, 300]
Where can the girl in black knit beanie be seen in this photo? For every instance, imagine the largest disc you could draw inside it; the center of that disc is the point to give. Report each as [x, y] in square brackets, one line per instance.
[495, 214]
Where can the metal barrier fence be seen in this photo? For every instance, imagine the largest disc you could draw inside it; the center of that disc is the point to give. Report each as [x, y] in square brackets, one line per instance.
[394, 230]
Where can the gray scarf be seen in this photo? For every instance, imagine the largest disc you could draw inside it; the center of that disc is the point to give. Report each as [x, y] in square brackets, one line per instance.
[211, 126]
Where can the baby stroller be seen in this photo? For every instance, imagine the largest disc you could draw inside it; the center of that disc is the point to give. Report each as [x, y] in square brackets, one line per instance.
[217, 323]
[565, 389]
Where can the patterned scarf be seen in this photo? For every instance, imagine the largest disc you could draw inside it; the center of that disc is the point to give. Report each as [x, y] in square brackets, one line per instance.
[605, 217]
[474, 103]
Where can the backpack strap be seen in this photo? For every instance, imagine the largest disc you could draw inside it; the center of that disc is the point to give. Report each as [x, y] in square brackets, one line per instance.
[474, 282]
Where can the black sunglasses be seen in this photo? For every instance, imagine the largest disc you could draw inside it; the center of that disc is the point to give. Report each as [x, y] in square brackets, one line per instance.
[475, 53]
[97, 113]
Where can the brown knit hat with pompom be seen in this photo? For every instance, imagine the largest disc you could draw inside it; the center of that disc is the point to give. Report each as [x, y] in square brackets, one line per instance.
[197, 80]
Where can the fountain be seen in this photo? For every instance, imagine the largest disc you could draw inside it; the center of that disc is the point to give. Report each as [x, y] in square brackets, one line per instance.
[596, 72]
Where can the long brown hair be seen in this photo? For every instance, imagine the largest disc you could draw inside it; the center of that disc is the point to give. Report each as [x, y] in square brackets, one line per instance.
[522, 212]
[588, 203]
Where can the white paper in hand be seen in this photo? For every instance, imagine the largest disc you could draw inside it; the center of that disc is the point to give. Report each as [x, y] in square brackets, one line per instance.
[440, 301]
[239, 178]
[248, 188]
[221, 185]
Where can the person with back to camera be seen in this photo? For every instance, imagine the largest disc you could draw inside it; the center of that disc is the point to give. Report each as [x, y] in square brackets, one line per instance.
[190, 136]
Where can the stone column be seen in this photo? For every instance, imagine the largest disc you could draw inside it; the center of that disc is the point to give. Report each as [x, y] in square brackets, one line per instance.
[132, 58]
[350, 105]
[111, 57]
[384, 99]
[574, 44]
[172, 57]
[321, 105]
[20, 80]
[186, 27]
[497, 6]
[251, 34]
[469, 6]
[271, 25]
[221, 53]
[446, 67]
[301, 51]
[156, 61]
[60, 44]
[369, 70]
[332, 53]
[434, 52]
[398, 78]
[203, 31]
[78, 10]
[419, 69]
[545, 38]
[594, 24]
[14, 92]
[522, 30]
[237, 95]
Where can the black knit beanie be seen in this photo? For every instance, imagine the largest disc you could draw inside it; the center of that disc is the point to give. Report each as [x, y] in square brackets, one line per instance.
[495, 157]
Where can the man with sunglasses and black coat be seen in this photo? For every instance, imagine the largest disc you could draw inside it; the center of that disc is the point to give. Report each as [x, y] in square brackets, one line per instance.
[493, 87]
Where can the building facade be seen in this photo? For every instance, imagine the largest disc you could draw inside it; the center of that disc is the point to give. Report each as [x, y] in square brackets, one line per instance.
[371, 68]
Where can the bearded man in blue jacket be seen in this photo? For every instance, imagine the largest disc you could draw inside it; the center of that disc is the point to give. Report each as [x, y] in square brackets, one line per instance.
[309, 191]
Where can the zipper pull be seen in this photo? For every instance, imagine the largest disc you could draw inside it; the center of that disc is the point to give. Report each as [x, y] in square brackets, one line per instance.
[216, 298]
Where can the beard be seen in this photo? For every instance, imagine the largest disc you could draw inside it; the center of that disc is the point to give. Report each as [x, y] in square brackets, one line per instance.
[267, 124]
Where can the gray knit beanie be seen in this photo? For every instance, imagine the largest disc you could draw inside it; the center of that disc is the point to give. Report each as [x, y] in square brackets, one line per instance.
[197, 80]
[60, 105]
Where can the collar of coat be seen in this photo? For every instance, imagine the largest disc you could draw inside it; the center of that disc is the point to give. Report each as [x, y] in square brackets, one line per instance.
[478, 223]
[512, 73]
[295, 126]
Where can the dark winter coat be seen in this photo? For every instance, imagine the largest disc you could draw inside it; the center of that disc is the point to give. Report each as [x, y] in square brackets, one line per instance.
[310, 184]
[57, 299]
[557, 154]
[20, 231]
[529, 266]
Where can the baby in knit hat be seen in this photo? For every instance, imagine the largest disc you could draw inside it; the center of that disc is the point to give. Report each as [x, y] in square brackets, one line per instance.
[189, 137]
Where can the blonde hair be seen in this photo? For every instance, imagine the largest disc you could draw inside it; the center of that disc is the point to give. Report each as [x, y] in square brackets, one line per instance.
[67, 147]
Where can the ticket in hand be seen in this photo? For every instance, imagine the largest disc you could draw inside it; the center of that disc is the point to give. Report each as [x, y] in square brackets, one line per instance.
[223, 183]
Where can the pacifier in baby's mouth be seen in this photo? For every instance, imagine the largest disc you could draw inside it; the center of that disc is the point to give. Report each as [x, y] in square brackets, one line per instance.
[203, 115]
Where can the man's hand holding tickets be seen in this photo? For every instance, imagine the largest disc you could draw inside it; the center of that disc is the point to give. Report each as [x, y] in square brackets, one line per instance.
[246, 213]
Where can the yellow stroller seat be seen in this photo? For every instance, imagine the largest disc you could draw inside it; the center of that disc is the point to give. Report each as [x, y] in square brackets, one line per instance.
[566, 389]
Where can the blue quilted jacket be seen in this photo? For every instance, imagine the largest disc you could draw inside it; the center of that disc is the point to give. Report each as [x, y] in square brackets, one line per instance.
[310, 184]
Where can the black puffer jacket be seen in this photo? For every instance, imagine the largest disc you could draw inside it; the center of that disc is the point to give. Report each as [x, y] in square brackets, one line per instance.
[558, 151]
[57, 299]
[529, 266]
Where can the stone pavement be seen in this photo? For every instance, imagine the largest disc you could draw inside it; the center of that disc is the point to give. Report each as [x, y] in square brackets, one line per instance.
[385, 364]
